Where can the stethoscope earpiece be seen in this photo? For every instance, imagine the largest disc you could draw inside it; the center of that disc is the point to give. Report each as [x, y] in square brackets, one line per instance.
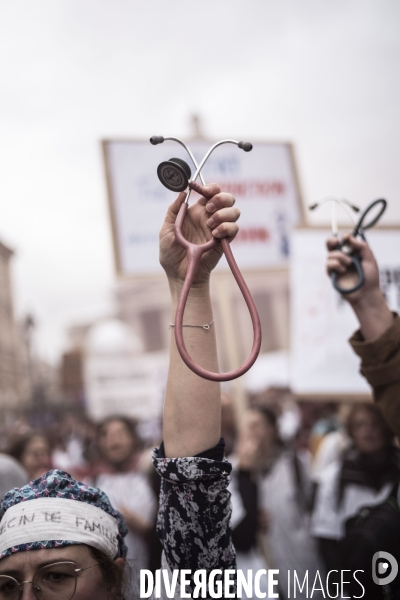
[246, 146]
[156, 139]
[174, 174]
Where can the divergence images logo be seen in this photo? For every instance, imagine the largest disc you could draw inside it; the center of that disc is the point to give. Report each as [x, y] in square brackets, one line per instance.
[384, 568]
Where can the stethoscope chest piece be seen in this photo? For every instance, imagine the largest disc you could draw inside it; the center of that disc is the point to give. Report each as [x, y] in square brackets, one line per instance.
[174, 174]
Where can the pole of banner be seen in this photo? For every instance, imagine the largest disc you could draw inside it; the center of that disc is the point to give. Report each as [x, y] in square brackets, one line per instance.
[222, 283]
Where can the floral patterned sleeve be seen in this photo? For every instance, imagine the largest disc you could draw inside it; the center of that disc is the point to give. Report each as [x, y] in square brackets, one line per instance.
[194, 515]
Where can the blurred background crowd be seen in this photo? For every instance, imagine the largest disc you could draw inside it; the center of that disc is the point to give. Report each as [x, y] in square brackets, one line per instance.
[83, 345]
[301, 472]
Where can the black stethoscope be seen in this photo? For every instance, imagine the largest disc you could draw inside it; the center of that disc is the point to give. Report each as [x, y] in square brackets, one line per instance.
[359, 227]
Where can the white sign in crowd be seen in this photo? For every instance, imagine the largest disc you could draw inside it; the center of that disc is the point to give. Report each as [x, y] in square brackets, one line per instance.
[263, 182]
[322, 362]
[119, 376]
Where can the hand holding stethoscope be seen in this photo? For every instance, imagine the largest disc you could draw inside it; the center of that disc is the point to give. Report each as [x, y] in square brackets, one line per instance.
[369, 217]
[175, 174]
[195, 227]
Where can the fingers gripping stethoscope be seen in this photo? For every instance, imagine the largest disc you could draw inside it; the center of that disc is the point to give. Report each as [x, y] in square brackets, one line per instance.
[359, 227]
[175, 174]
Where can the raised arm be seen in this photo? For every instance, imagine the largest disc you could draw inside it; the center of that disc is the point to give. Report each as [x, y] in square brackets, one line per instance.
[194, 515]
[192, 410]
[377, 342]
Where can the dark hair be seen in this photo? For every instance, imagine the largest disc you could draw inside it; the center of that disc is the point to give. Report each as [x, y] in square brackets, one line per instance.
[19, 444]
[130, 424]
[268, 414]
[115, 576]
[374, 411]
[271, 419]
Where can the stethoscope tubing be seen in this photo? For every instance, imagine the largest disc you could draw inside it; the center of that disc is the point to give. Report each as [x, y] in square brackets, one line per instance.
[194, 253]
[359, 229]
[360, 274]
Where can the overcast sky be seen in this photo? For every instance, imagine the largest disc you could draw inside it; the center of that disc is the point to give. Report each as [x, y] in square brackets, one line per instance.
[324, 75]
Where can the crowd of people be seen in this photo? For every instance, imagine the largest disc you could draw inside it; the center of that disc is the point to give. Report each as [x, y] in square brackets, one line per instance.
[225, 493]
[291, 501]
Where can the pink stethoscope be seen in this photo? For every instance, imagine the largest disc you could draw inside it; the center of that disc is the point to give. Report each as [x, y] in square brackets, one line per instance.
[175, 174]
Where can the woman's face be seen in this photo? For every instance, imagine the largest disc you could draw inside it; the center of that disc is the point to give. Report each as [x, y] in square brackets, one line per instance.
[257, 427]
[36, 457]
[367, 432]
[89, 585]
[116, 442]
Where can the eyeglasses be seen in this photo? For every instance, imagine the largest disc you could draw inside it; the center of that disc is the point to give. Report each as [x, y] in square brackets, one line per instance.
[51, 582]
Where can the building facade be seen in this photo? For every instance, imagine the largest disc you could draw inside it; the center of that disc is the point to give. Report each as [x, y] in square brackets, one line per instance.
[15, 384]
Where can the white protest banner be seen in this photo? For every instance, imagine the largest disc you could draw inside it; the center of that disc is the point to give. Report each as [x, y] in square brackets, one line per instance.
[322, 361]
[119, 377]
[263, 182]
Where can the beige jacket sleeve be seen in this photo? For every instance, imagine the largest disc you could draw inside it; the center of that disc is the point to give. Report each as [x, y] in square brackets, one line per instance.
[380, 365]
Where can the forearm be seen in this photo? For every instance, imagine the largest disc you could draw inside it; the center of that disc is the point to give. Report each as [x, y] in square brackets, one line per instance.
[373, 314]
[192, 412]
[380, 365]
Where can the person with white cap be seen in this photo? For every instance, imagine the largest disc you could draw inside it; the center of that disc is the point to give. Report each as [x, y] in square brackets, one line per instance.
[61, 539]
